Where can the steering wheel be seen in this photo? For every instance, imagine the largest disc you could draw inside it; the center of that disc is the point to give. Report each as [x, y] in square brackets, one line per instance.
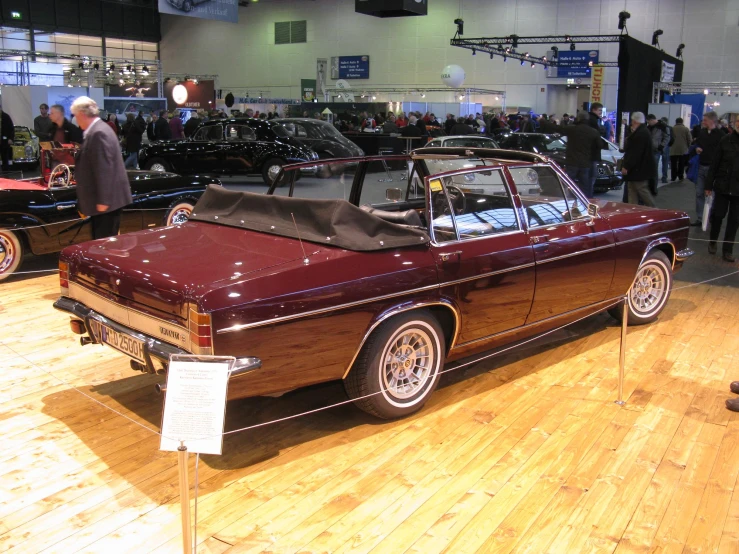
[457, 198]
[62, 173]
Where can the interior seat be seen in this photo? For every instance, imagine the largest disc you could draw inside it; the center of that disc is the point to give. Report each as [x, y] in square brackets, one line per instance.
[407, 217]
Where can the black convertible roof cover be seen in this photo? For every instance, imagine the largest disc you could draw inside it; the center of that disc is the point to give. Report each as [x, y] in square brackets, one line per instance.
[328, 222]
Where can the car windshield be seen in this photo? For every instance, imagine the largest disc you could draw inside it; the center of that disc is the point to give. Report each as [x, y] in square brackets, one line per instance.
[544, 143]
[470, 142]
[442, 165]
[22, 134]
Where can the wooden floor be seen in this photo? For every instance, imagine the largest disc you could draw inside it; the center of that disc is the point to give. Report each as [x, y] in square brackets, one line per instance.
[522, 453]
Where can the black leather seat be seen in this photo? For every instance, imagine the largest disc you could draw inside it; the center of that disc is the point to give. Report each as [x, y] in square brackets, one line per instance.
[408, 217]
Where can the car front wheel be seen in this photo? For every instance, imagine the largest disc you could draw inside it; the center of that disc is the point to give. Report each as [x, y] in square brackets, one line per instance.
[271, 170]
[399, 365]
[648, 295]
[11, 253]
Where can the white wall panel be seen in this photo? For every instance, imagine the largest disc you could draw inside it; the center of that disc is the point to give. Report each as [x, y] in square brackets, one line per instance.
[413, 50]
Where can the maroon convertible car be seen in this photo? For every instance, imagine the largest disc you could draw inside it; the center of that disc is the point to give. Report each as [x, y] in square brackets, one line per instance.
[377, 275]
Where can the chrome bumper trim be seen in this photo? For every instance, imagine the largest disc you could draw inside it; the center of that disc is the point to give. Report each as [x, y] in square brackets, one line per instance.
[683, 254]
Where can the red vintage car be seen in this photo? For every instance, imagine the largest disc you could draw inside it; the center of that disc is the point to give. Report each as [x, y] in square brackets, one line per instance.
[377, 275]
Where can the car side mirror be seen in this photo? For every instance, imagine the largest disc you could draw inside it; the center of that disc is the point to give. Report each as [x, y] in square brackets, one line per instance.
[593, 210]
[393, 195]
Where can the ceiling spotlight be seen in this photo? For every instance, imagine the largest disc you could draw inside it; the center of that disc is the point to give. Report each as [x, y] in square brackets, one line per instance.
[568, 38]
[145, 70]
[474, 51]
[526, 55]
[622, 17]
[655, 37]
[705, 91]
[361, 96]
[374, 97]
[505, 59]
[544, 58]
[572, 47]
[514, 41]
[491, 55]
[459, 22]
[679, 53]
[533, 64]
[461, 96]
[196, 82]
[423, 95]
[523, 62]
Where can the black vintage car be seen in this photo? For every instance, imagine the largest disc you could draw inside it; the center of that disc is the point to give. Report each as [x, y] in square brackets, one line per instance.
[229, 147]
[40, 215]
[607, 177]
[320, 136]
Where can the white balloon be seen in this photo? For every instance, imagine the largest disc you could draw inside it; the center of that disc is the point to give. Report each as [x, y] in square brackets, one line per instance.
[453, 76]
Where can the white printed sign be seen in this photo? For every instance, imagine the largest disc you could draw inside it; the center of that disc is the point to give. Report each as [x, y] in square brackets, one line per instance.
[668, 72]
[195, 405]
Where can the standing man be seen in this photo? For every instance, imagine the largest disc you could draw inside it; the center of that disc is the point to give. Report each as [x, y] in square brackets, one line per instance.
[666, 150]
[660, 139]
[133, 132]
[583, 151]
[7, 132]
[596, 118]
[707, 142]
[162, 130]
[723, 181]
[102, 184]
[62, 130]
[639, 162]
[176, 127]
[192, 124]
[42, 124]
[151, 127]
[679, 149]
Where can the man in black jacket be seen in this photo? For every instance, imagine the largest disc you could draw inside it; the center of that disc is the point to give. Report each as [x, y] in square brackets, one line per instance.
[7, 130]
[638, 162]
[461, 128]
[162, 130]
[596, 118]
[583, 151]
[707, 142]
[62, 130]
[723, 182]
[102, 183]
[133, 131]
[192, 124]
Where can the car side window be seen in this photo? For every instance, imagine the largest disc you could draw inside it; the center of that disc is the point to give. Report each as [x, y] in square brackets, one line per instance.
[201, 134]
[543, 196]
[482, 204]
[209, 132]
[380, 176]
[240, 133]
[442, 222]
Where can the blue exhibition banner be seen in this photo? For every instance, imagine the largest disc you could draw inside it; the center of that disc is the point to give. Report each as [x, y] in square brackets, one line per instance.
[221, 10]
[353, 67]
[575, 63]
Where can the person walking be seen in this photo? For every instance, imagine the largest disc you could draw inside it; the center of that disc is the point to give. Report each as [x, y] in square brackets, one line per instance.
[639, 162]
[660, 139]
[133, 132]
[679, 149]
[102, 183]
[583, 151]
[723, 182]
[707, 143]
[666, 150]
[42, 124]
[62, 130]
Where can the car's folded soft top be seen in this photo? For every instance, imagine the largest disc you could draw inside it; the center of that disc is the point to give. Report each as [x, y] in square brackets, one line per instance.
[328, 222]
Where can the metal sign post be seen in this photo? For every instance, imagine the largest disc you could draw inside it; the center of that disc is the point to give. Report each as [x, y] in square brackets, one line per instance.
[622, 352]
[184, 499]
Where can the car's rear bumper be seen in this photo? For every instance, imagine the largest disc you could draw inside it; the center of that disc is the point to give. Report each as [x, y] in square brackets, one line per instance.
[153, 349]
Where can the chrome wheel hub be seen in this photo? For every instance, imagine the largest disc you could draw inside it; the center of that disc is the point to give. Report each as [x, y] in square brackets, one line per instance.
[157, 167]
[649, 289]
[407, 363]
[273, 171]
[180, 216]
[7, 254]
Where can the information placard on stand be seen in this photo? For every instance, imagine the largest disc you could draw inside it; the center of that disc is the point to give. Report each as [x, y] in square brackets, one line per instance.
[195, 405]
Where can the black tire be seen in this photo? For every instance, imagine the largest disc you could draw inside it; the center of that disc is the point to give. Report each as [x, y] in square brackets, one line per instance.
[176, 214]
[645, 304]
[11, 253]
[159, 162]
[374, 384]
[268, 167]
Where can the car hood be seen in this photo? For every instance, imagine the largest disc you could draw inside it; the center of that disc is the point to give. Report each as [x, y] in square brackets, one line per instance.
[629, 219]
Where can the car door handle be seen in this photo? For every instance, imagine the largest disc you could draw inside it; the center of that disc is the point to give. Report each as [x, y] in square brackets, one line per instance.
[537, 239]
[446, 256]
[65, 207]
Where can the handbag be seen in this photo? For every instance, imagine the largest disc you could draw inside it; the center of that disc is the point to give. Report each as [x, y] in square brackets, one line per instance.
[707, 211]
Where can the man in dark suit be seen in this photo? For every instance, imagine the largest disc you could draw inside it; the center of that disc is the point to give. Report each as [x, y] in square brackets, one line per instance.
[7, 130]
[102, 183]
[162, 130]
[638, 161]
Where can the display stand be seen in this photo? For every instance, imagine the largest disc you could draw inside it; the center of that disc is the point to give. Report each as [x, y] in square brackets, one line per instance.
[622, 352]
[184, 499]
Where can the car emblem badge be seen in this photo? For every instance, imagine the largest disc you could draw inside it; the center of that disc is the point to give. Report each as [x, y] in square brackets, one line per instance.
[117, 281]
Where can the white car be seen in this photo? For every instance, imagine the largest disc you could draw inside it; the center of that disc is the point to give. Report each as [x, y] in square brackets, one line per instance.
[464, 141]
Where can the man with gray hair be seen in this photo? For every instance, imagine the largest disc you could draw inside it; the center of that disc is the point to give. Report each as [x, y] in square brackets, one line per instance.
[638, 162]
[102, 183]
[707, 145]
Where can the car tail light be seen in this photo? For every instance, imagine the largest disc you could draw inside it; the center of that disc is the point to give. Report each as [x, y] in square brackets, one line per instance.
[201, 334]
[64, 277]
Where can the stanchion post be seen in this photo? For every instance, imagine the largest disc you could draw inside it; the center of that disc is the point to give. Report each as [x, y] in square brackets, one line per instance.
[184, 499]
[622, 352]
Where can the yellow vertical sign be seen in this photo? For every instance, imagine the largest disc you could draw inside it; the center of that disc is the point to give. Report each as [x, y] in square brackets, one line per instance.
[598, 73]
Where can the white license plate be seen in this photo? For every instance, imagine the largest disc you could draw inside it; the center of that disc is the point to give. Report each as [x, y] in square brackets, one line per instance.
[123, 343]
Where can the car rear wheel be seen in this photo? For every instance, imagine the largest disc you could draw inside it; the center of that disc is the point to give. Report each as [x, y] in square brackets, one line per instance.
[271, 169]
[158, 164]
[399, 365]
[648, 295]
[179, 213]
[11, 253]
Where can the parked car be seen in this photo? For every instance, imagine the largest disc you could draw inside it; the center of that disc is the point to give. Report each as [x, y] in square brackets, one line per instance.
[229, 146]
[26, 150]
[320, 136]
[469, 141]
[380, 289]
[554, 146]
[40, 215]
